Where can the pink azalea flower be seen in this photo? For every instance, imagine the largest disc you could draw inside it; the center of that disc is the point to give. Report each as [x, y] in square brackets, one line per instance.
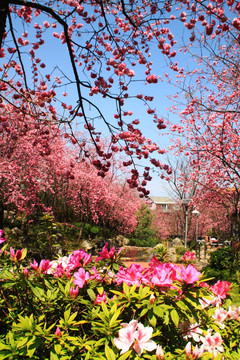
[234, 313]
[189, 256]
[131, 275]
[125, 336]
[159, 353]
[136, 335]
[58, 332]
[79, 258]
[191, 331]
[212, 343]
[196, 353]
[100, 298]
[2, 239]
[143, 342]
[220, 316]
[164, 275]
[190, 274]
[43, 267]
[221, 288]
[80, 277]
[105, 254]
[16, 257]
[34, 265]
[26, 272]
[73, 292]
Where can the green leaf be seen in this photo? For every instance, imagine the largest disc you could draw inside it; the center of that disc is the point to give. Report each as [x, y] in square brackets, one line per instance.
[174, 317]
[91, 294]
[109, 353]
[67, 313]
[144, 311]
[126, 289]
[38, 291]
[53, 356]
[57, 348]
[24, 253]
[125, 355]
[105, 309]
[158, 310]
[152, 319]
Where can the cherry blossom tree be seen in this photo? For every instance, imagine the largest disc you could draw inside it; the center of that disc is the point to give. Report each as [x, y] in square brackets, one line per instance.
[107, 49]
[209, 129]
[40, 172]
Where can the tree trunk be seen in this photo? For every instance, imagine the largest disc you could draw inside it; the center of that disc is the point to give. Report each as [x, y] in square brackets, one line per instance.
[3, 17]
[1, 214]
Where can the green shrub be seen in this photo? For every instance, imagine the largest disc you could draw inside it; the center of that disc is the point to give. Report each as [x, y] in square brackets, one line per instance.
[78, 310]
[223, 259]
[145, 233]
[180, 250]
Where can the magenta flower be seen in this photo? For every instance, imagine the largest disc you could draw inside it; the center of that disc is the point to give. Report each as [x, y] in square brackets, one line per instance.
[189, 256]
[190, 274]
[80, 277]
[221, 288]
[2, 239]
[79, 258]
[16, 257]
[74, 292]
[43, 267]
[131, 275]
[164, 275]
[100, 298]
[105, 254]
[58, 332]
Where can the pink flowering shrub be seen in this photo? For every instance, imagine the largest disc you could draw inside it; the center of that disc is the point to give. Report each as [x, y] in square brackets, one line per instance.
[77, 307]
[189, 256]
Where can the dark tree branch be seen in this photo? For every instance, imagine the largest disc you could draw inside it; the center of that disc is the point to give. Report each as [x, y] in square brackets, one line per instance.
[3, 18]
